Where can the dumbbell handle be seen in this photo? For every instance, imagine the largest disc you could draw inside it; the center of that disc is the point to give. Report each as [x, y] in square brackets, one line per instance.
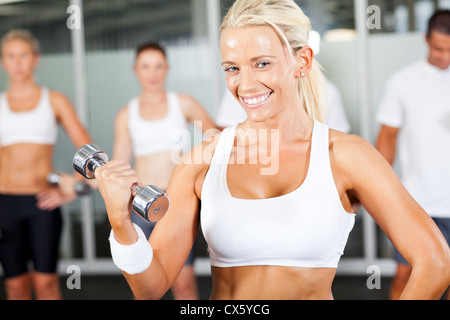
[94, 163]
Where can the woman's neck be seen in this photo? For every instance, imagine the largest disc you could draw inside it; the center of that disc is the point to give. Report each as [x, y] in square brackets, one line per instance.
[292, 123]
[22, 88]
[152, 97]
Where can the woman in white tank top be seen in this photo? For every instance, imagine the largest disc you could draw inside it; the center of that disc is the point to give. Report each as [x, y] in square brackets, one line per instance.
[276, 218]
[153, 128]
[29, 116]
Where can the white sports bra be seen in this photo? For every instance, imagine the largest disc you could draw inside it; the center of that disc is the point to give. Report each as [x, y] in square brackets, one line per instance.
[35, 126]
[307, 227]
[150, 136]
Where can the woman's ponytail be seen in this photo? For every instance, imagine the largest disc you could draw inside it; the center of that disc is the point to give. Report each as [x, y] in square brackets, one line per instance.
[312, 92]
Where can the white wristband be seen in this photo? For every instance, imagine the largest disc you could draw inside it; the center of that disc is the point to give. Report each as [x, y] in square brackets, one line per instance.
[134, 258]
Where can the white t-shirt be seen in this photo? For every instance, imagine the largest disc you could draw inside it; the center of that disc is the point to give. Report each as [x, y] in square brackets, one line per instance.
[231, 112]
[336, 118]
[417, 100]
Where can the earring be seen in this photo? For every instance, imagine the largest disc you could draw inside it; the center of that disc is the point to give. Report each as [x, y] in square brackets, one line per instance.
[302, 74]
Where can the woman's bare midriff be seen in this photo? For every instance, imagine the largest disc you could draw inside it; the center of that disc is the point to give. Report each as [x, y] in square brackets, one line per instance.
[156, 168]
[24, 168]
[272, 283]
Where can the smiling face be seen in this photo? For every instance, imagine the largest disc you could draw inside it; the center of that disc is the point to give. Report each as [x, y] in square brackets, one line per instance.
[260, 72]
[151, 69]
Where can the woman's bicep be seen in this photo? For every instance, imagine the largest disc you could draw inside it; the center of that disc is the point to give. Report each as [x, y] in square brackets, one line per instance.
[175, 233]
[171, 240]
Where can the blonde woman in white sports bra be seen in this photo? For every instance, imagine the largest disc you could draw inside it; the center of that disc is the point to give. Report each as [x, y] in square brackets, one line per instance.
[272, 234]
[30, 219]
[153, 128]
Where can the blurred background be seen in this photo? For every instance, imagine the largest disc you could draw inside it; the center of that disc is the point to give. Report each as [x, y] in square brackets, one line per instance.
[92, 65]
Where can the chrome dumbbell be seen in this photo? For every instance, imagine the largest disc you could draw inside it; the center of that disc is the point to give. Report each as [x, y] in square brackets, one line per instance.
[150, 202]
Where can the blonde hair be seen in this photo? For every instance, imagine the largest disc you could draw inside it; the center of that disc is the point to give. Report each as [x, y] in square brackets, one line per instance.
[293, 27]
[21, 34]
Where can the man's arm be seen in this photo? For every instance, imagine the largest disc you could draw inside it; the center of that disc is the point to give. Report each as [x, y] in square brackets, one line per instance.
[387, 142]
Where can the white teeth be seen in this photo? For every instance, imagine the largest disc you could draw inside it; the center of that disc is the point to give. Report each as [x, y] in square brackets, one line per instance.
[260, 99]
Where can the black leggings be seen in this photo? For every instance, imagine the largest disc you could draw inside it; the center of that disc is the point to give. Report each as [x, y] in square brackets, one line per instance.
[28, 233]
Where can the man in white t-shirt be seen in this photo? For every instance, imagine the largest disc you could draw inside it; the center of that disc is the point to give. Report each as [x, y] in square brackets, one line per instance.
[231, 112]
[415, 121]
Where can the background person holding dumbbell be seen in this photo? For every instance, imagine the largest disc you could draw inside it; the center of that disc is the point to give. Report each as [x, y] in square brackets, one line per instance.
[148, 127]
[30, 219]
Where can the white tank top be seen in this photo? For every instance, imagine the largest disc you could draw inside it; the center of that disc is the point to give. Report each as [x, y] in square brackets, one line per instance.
[307, 227]
[150, 136]
[35, 126]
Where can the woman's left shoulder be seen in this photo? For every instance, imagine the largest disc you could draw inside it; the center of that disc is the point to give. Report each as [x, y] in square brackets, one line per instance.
[339, 139]
[185, 98]
[350, 147]
[352, 152]
[56, 94]
[58, 99]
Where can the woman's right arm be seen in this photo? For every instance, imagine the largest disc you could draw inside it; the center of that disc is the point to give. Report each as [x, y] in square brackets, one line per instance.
[174, 234]
[0, 159]
[122, 141]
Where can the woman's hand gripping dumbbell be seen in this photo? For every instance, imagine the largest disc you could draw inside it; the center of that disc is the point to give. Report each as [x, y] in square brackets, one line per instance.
[150, 202]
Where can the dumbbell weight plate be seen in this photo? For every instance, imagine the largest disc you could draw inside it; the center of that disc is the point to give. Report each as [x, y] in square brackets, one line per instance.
[87, 159]
[151, 203]
[53, 178]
